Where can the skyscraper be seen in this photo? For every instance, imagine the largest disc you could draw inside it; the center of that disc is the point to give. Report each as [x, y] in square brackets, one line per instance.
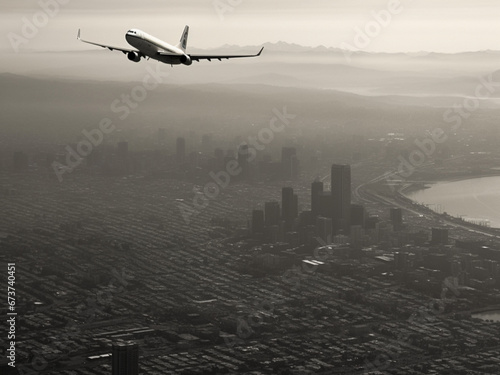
[326, 204]
[289, 163]
[341, 196]
[257, 221]
[272, 213]
[324, 229]
[289, 209]
[316, 190]
[358, 215]
[125, 358]
[243, 157]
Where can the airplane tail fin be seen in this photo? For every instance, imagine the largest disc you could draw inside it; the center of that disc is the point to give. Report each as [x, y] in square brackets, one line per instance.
[184, 39]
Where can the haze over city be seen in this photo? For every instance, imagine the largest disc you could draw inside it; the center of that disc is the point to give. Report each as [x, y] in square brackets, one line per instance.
[327, 206]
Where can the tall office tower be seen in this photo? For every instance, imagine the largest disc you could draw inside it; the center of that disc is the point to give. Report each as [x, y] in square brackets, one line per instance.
[356, 236]
[316, 191]
[180, 150]
[341, 196]
[243, 157]
[257, 221]
[289, 207]
[326, 204]
[306, 218]
[295, 207]
[272, 213]
[324, 229]
[125, 358]
[289, 163]
[358, 215]
[397, 218]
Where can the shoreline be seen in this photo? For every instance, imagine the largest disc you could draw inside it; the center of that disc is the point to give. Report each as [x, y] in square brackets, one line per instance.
[486, 310]
[414, 186]
[405, 191]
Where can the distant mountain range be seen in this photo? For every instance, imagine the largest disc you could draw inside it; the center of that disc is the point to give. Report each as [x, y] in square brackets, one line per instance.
[285, 47]
[297, 48]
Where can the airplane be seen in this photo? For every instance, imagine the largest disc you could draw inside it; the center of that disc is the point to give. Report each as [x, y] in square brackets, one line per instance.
[147, 46]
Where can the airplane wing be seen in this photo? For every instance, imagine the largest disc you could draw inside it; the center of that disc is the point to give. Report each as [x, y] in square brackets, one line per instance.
[220, 57]
[111, 48]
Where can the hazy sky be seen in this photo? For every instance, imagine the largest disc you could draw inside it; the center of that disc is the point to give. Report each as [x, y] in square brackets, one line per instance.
[430, 25]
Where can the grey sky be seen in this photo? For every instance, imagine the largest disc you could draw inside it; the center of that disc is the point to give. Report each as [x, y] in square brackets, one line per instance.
[431, 25]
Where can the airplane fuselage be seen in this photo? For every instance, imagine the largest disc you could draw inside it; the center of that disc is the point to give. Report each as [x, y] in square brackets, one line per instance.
[151, 46]
[148, 46]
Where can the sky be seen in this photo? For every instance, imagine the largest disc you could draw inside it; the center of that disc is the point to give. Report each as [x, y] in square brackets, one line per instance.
[387, 25]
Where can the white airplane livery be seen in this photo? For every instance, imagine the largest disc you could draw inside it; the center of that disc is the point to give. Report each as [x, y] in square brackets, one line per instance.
[147, 46]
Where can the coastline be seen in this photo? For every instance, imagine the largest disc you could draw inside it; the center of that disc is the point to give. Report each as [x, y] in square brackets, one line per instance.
[486, 310]
[414, 186]
[405, 191]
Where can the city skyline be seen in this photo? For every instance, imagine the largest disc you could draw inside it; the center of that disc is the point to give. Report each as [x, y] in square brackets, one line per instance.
[311, 210]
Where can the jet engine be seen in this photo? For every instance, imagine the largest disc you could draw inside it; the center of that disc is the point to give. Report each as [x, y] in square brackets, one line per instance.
[134, 56]
[186, 60]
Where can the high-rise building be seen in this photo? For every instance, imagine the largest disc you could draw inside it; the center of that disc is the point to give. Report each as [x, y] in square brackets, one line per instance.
[316, 191]
[243, 157]
[341, 196]
[356, 236]
[125, 358]
[325, 204]
[289, 163]
[272, 213]
[358, 215]
[289, 207]
[180, 150]
[324, 229]
[306, 218]
[257, 221]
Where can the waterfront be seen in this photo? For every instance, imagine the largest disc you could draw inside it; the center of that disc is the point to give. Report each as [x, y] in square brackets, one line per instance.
[476, 200]
[489, 315]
